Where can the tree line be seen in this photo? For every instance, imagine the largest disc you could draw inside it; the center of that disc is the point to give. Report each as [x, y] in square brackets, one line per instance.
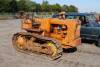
[31, 6]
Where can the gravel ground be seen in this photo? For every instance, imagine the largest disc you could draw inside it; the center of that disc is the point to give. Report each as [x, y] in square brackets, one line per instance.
[87, 55]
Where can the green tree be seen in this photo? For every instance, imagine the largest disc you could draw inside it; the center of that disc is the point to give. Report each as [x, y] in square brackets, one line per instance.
[13, 6]
[65, 8]
[33, 6]
[4, 5]
[56, 8]
[24, 5]
[72, 8]
[45, 6]
[38, 8]
[29, 5]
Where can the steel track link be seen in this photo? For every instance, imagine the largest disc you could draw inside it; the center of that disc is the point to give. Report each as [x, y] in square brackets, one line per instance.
[57, 44]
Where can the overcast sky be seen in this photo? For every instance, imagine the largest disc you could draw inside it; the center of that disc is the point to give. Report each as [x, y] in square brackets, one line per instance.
[83, 5]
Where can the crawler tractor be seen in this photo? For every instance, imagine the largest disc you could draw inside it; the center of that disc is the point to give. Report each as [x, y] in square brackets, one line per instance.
[48, 36]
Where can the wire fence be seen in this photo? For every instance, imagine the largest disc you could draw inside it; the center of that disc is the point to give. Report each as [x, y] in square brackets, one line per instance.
[4, 16]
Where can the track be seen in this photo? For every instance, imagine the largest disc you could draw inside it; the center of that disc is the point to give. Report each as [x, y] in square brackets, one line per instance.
[42, 46]
[87, 55]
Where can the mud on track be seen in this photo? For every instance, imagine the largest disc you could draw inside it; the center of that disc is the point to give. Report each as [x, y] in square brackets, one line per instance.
[87, 55]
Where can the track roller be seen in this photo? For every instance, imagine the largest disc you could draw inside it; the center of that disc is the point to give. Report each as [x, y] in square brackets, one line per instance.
[31, 44]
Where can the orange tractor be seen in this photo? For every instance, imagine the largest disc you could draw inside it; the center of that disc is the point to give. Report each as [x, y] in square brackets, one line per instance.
[48, 36]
